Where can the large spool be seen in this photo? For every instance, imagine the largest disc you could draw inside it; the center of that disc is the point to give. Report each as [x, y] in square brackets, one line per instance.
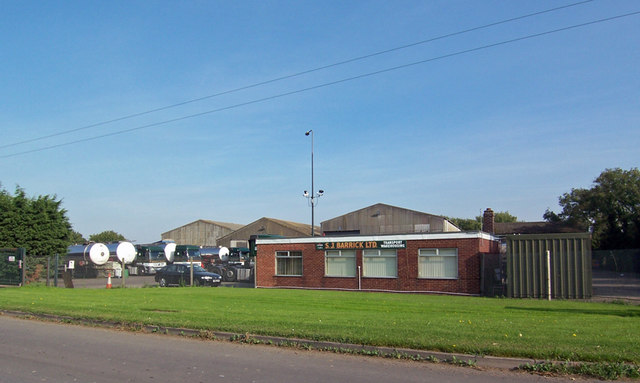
[221, 253]
[169, 250]
[224, 254]
[98, 253]
[124, 251]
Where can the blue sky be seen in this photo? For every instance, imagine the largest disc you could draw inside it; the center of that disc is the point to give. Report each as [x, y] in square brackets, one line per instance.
[510, 127]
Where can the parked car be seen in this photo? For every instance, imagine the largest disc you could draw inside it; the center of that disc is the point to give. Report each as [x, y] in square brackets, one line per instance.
[180, 275]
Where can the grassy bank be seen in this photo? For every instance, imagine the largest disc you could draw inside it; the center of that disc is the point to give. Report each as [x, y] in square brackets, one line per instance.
[563, 330]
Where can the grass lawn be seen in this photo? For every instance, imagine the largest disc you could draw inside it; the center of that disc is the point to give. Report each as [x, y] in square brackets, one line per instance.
[561, 330]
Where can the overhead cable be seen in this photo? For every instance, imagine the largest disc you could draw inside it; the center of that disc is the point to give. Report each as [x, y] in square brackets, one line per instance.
[258, 84]
[327, 84]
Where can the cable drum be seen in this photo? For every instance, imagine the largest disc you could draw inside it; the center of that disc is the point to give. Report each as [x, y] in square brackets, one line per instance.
[98, 252]
[169, 250]
[221, 253]
[124, 251]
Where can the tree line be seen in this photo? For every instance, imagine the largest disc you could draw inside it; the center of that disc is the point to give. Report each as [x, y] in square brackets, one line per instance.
[469, 224]
[41, 226]
[610, 209]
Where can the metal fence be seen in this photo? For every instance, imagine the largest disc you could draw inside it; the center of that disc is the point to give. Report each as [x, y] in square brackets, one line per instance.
[620, 261]
[12, 266]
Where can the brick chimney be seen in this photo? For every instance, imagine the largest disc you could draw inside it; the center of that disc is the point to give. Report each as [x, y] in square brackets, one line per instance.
[488, 221]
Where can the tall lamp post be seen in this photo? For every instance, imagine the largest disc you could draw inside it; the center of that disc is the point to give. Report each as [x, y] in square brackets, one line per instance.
[312, 197]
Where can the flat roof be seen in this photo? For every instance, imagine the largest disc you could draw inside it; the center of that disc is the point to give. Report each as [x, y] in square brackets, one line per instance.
[381, 237]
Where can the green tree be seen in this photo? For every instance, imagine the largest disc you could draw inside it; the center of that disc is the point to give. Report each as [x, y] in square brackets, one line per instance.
[76, 238]
[610, 208]
[466, 224]
[107, 236]
[39, 224]
[503, 217]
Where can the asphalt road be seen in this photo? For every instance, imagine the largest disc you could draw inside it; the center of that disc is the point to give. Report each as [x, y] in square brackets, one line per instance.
[609, 284]
[33, 351]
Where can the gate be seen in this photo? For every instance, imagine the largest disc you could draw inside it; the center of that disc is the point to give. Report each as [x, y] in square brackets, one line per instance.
[12, 266]
[492, 275]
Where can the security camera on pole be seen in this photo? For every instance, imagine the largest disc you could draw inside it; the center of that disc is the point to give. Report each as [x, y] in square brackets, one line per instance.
[312, 197]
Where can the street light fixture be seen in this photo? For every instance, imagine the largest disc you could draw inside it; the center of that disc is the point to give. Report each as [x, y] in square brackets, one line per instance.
[312, 197]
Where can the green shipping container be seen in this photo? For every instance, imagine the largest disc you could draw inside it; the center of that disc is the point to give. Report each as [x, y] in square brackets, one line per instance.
[570, 256]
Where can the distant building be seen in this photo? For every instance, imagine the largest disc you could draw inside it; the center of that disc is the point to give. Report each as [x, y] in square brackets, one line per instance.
[265, 226]
[386, 219]
[505, 228]
[201, 232]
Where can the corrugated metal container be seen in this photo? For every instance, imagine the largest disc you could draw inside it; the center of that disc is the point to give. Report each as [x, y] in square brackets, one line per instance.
[570, 265]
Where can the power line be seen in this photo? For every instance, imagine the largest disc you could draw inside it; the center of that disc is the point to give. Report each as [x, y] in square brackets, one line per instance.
[327, 84]
[359, 58]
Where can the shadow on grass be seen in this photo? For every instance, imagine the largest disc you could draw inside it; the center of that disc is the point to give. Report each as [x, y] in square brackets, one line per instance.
[619, 313]
[160, 310]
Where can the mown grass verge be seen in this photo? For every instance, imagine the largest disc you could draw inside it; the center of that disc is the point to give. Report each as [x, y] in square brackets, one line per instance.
[557, 330]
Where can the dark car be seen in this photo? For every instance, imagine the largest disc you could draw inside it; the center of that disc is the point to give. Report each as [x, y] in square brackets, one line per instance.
[181, 275]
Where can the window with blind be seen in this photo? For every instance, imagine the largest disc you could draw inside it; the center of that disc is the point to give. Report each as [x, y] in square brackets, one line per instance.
[438, 263]
[289, 263]
[380, 263]
[340, 263]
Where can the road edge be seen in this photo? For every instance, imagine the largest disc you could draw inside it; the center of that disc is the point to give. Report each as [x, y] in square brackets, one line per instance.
[467, 360]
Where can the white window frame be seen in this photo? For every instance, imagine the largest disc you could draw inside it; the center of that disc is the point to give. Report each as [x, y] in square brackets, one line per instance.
[345, 259]
[442, 256]
[286, 256]
[371, 258]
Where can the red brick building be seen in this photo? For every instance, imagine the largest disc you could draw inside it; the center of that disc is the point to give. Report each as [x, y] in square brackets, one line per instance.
[419, 263]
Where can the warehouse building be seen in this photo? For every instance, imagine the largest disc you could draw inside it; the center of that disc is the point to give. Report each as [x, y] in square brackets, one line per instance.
[386, 219]
[446, 262]
[264, 226]
[201, 233]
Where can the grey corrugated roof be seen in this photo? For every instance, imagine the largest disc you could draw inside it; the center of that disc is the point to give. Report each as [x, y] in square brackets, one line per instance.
[391, 206]
[301, 227]
[231, 226]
